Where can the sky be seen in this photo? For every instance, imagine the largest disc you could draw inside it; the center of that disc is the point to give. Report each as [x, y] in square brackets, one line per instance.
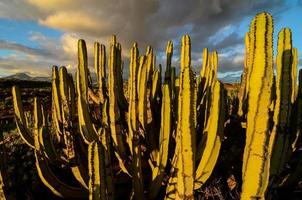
[37, 34]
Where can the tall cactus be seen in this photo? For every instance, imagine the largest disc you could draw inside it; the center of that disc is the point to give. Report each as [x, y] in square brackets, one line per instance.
[164, 138]
[100, 70]
[133, 125]
[214, 134]
[244, 80]
[87, 128]
[23, 130]
[114, 111]
[186, 127]
[256, 152]
[284, 101]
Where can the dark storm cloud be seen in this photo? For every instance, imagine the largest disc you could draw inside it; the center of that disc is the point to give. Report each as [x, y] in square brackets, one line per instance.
[150, 22]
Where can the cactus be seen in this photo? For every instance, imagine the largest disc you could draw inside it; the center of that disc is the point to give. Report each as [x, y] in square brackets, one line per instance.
[244, 80]
[114, 112]
[256, 152]
[3, 170]
[213, 133]
[133, 126]
[185, 127]
[87, 128]
[25, 133]
[166, 136]
[100, 70]
[285, 99]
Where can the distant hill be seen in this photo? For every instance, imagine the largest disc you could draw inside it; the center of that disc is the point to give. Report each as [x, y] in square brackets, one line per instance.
[26, 77]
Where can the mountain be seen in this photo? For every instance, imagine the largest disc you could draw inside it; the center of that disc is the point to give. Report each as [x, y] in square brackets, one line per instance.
[26, 77]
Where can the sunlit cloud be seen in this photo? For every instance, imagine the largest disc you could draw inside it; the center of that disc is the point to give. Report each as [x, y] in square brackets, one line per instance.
[216, 24]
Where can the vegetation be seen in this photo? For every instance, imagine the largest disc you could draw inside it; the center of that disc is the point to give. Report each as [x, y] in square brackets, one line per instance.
[167, 137]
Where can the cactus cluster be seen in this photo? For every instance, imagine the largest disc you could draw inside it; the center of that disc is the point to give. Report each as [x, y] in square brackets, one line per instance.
[165, 135]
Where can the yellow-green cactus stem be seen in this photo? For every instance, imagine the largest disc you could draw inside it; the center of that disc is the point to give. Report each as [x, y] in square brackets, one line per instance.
[164, 137]
[50, 180]
[23, 130]
[294, 175]
[3, 168]
[298, 104]
[133, 123]
[87, 129]
[185, 126]
[119, 74]
[213, 133]
[45, 173]
[71, 89]
[77, 167]
[255, 174]
[56, 99]
[283, 105]
[169, 54]
[114, 112]
[133, 96]
[294, 74]
[66, 118]
[205, 59]
[99, 68]
[109, 178]
[142, 92]
[155, 85]
[96, 167]
[244, 79]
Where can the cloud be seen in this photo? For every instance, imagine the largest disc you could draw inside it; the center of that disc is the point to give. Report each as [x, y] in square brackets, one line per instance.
[145, 21]
[22, 48]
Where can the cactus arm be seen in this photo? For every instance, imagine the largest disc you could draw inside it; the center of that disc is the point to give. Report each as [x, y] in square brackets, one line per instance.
[213, 134]
[205, 54]
[257, 155]
[185, 126]
[71, 89]
[3, 171]
[96, 166]
[142, 94]
[87, 129]
[169, 54]
[243, 87]
[297, 139]
[114, 112]
[155, 85]
[294, 74]
[137, 175]
[99, 67]
[133, 97]
[133, 126]
[45, 173]
[53, 183]
[164, 138]
[48, 147]
[23, 130]
[108, 164]
[283, 106]
[77, 168]
[119, 78]
[56, 100]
